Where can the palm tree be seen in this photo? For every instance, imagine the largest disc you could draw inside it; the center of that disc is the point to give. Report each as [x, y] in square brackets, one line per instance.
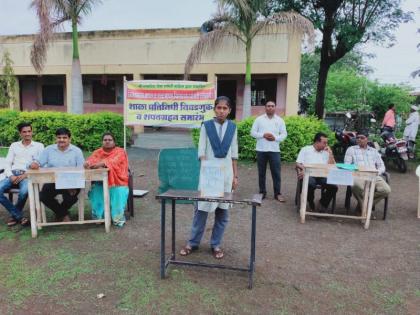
[52, 14]
[243, 20]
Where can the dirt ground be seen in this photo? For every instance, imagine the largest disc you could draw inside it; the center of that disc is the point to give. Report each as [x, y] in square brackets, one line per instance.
[325, 266]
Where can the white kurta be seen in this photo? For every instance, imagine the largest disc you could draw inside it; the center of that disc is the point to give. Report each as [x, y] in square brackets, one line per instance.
[412, 125]
[205, 149]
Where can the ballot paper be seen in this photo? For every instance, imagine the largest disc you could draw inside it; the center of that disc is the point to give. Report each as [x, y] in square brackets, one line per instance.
[212, 178]
[340, 177]
[70, 180]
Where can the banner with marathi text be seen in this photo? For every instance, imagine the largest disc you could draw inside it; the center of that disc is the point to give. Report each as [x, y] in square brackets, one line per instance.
[168, 103]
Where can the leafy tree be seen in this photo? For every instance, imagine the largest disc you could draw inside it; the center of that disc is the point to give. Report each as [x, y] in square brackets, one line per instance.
[52, 14]
[353, 61]
[243, 20]
[347, 90]
[344, 24]
[8, 82]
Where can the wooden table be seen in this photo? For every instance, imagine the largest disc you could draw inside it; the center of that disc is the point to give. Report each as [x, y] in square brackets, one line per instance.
[321, 170]
[173, 196]
[36, 178]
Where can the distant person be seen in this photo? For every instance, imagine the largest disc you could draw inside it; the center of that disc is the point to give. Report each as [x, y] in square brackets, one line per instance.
[19, 156]
[269, 130]
[411, 128]
[218, 141]
[364, 155]
[317, 153]
[61, 154]
[389, 122]
[116, 160]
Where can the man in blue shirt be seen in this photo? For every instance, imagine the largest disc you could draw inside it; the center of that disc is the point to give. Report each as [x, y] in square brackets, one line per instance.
[61, 154]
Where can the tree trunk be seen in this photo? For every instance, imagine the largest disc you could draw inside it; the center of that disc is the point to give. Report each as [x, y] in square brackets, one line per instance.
[246, 108]
[320, 89]
[76, 75]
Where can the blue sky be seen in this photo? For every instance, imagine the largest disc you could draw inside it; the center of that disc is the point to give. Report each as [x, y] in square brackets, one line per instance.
[391, 65]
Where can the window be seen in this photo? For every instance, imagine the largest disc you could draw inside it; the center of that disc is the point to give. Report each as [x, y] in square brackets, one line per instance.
[53, 95]
[262, 91]
[103, 91]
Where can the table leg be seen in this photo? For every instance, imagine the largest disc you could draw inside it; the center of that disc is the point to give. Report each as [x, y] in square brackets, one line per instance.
[106, 204]
[31, 196]
[38, 210]
[370, 204]
[81, 205]
[365, 199]
[252, 255]
[418, 203]
[173, 229]
[304, 197]
[162, 239]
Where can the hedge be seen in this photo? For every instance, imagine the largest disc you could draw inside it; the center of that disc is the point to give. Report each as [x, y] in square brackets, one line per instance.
[86, 129]
[300, 132]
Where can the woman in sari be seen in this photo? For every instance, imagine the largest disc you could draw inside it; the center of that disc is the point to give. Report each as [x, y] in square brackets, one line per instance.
[115, 159]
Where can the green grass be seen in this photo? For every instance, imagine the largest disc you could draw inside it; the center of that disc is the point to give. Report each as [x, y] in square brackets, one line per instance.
[389, 299]
[3, 152]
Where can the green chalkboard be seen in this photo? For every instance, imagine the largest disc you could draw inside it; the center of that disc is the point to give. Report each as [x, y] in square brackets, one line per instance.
[178, 169]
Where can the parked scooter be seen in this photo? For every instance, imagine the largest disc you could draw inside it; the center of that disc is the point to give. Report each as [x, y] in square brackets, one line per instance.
[394, 150]
[345, 138]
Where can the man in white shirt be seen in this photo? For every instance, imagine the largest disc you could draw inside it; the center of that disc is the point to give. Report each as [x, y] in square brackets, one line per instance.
[20, 155]
[317, 153]
[269, 130]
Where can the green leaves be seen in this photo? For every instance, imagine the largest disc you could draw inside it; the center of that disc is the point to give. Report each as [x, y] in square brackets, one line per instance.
[301, 131]
[86, 129]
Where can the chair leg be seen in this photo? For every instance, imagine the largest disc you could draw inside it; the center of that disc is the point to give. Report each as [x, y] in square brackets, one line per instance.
[333, 203]
[348, 199]
[385, 208]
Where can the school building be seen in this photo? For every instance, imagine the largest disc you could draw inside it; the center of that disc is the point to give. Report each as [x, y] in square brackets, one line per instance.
[107, 56]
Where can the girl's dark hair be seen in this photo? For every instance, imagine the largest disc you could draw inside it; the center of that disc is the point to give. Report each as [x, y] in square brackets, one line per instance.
[108, 134]
[222, 98]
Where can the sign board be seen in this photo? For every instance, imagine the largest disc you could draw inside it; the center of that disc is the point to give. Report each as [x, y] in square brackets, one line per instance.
[212, 178]
[178, 169]
[69, 180]
[340, 177]
[168, 103]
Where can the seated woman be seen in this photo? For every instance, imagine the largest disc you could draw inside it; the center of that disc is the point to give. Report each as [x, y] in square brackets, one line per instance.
[116, 160]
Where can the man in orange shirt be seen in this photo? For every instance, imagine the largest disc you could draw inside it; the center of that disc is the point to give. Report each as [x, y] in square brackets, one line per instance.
[388, 124]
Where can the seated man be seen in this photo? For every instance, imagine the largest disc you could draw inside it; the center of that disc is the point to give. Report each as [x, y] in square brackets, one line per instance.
[317, 153]
[61, 154]
[20, 154]
[364, 155]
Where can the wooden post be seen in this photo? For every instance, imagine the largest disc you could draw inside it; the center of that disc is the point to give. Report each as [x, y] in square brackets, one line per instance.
[37, 206]
[304, 196]
[31, 196]
[370, 203]
[81, 205]
[107, 211]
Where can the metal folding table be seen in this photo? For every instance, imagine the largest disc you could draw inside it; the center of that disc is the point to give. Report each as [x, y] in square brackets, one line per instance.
[188, 195]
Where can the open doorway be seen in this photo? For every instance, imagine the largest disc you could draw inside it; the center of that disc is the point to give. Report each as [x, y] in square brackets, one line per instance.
[228, 88]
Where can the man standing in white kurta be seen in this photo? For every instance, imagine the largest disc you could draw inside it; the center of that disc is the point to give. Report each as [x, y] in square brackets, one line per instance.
[218, 141]
[412, 126]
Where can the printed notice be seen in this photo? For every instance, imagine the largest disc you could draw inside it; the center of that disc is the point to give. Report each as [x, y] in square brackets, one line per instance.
[69, 180]
[212, 179]
[340, 177]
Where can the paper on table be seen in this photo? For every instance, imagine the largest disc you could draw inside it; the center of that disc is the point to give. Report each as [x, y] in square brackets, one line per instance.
[340, 177]
[70, 180]
[212, 178]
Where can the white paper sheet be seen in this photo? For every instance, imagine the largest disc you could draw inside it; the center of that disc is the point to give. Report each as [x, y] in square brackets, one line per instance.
[340, 177]
[69, 180]
[212, 178]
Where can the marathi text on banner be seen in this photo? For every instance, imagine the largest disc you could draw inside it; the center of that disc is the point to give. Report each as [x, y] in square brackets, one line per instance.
[168, 103]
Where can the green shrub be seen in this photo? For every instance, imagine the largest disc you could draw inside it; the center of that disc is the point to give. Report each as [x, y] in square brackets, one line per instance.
[300, 130]
[86, 129]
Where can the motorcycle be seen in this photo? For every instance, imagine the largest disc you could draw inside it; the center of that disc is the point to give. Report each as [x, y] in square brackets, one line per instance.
[394, 150]
[344, 137]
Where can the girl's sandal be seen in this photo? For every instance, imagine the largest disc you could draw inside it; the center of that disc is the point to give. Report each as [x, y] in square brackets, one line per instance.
[186, 250]
[218, 253]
